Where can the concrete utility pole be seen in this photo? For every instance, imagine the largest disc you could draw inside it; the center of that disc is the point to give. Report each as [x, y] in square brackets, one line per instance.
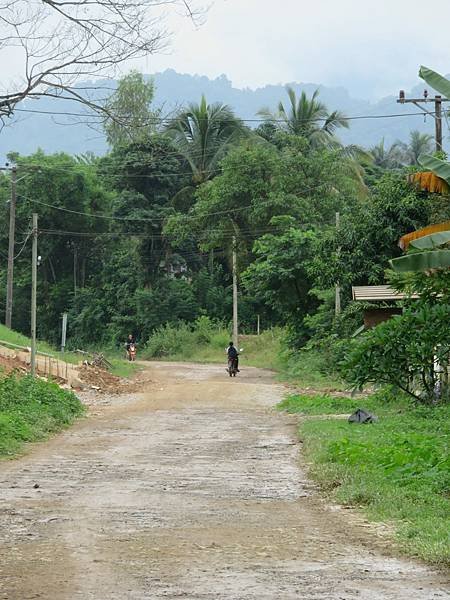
[235, 296]
[64, 332]
[337, 305]
[12, 227]
[437, 114]
[34, 260]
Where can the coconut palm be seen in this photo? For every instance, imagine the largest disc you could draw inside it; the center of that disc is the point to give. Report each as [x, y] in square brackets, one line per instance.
[389, 158]
[419, 143]
[203, 133]
[307, 117]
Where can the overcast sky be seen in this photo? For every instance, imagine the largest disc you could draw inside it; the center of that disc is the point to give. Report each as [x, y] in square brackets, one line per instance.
[372, 48]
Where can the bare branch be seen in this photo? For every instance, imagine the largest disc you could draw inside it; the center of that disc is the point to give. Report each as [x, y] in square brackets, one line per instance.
[63, 41]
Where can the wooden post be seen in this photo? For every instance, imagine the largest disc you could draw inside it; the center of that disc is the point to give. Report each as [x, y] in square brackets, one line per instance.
[438, 122]
[12, 226]
[33, 294]
[64, 331]
[257, 324]
[337, 305]
[235, 296]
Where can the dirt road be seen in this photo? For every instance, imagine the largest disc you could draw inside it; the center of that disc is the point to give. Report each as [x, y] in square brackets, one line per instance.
[192, 489]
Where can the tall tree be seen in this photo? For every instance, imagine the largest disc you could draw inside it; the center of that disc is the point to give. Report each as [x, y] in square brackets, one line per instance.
[306, 117]
[129, 116]
[388, 158]
[419, 143]
[203, 133]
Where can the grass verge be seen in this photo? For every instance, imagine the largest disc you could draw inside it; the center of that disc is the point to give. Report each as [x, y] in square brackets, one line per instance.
[397, 470]
[31, 409]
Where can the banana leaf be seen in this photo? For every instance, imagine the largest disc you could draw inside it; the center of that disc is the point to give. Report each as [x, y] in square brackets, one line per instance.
[440, 167]
[422, 261]
[406, 239]
[436, 81]
[430, 242]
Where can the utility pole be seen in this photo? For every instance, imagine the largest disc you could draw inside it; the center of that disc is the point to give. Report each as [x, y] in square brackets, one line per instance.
[64, 331]
[12, 227]
[337, 304]
[34, 259]
[437, 114]
[235, 296]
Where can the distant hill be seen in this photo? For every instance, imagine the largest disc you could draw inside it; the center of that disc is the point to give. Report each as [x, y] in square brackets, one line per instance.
[30, 130]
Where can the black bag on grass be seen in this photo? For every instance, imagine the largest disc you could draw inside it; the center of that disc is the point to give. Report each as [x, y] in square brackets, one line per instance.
[361, 416]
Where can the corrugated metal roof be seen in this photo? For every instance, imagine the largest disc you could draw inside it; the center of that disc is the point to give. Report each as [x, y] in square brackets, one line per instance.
[380, 293]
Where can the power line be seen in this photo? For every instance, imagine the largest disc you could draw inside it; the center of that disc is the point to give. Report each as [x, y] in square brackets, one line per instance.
[167, 120]
[163, 219]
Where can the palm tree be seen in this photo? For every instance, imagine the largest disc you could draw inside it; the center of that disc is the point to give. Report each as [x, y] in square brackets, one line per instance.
[203, 133]
[389, 158]
[419, 143]
[306, 117]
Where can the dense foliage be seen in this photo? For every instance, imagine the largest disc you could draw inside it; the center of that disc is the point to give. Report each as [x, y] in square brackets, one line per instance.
[142, 238]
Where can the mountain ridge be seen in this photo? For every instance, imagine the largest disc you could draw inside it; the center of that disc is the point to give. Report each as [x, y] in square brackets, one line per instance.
[30, 131]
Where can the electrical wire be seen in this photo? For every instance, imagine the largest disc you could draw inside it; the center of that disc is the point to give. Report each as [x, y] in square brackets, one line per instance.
[23, 246]
[168, 120]
[163, 219]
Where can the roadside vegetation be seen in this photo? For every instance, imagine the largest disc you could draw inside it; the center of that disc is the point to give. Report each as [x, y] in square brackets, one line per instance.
[30, 410]
[397, 469]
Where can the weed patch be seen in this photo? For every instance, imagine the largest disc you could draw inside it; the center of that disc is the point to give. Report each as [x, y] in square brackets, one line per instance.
[31, 409]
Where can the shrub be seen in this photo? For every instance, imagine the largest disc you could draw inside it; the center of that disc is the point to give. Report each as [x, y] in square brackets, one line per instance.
[404, 352]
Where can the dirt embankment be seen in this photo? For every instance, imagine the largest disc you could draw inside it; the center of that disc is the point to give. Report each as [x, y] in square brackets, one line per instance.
[191, 488]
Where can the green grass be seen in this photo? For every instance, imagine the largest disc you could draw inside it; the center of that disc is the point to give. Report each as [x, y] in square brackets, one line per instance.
[397, 470]
[122, 367]
[30, 410]
[306, 369]
[206, 343]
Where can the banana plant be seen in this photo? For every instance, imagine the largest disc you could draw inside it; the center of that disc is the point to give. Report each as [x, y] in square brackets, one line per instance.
[438, 82]
[426, 254]
[437, 177]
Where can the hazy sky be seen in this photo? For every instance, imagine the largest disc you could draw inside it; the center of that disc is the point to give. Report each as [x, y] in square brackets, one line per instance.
[372, 48]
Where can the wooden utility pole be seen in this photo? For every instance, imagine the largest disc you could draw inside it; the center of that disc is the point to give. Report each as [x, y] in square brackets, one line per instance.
[34, 259]
[438, 121]
[12, 227]
[437, 114]
[337, 304]
[235, 296]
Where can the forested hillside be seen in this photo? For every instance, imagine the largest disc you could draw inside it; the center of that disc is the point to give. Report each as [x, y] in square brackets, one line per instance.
[49, 123]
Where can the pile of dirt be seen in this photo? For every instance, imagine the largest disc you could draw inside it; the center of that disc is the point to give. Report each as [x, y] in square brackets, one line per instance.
[8, 365]
[101, 380]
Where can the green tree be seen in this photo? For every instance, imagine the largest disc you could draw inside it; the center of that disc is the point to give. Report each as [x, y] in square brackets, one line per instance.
[306, 117]
[203, 133]
[130, 116]
[419, 143]
[64, 193]
[388, 158]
